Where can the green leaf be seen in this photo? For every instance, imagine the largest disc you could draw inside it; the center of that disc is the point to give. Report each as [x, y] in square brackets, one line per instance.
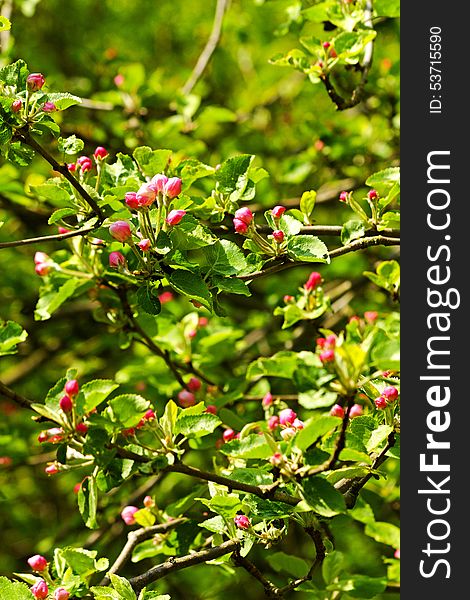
[216, 524]
[88, 502]
[307, 248]
[20, 154]
[252, 446]
[315, 428]
[286, 563]
[191, 285]
[378, 436]
[322, 497]
[350, 44]
[63, 100]
[189, 234]
[360, 586]
[195, 426]
[95, 392]
[307, 203]
[151, 162]
[128, 409]
[332, 566]
[14, 590]
[53, 193]
[169, 417]
[387, 8]
[231, 285]
[384, 180]
[282, 364]
[386, 356]
[148, 301]
[352, 230]
[104, 593]
[11, 334]
[51, 301]
[321, 398]
[5, 24]
[70, 145]
[225, 258]
[385, 533]
[232, 176]
[15, 75]
[60, 213]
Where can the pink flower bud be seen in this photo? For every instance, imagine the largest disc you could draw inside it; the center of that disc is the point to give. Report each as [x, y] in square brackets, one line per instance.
[144, 245]
[131, 200]
[158, 182]
[42, 269]
[43, 437]
[100, 153]
[321, 342]
[267, 400]
[128, 432]
[146, 195]
[51, 469]
[81, 428]
[356, 411]
[298, 424]
[149, 415]
[16, 106]
[276, 459]
[373, 194]
[371, 315]
[175, 216]
[203, 321]
[63, 229]
[127, 514]
[165, 297]
[380, 402]
[119, 80]
[242, 522]
[77, 487]
[390, 393]
[278, 235]
[120, 230]
[288, 299]
[35, 81]
[288, 433]
[194, 384]
[66, 404]
[41, 257]
[344, 196]
[84, 163]
[186, 398]
[37, 563]
[116, 259]
[211, 409]
[287, 416]
[40, 590]
[326, 45]
[313, 281]
[72, 387]
[172, 187]
[337, 411]
[53, 435]
[240, 226]
[354, 319]
[396, 554]
[49, 107]
[61, 594]
[244, 214]
[278, 211]
[72, 167]
[149, 502]
[327, 356]
[273, 422]
[330, 341]
[228, 435]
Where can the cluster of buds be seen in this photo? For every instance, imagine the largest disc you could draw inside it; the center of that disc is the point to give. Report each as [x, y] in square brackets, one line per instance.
[338, 411]
[159, 187]
[40, 589]
[345, 197]
[244, 224]
[43, 263]
[330, 52]
[71, 390]
[128, 512]
[229, 435]
[148, 417]
[187, 397]
[327, 348]
[55, 435]
[388, 396]
[289, 423]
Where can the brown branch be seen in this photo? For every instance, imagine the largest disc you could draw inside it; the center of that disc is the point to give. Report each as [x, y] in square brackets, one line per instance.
[6, 392]
[270, 590]
[182, 562]
[133, 538]
[48, 238]
[209, 48]
[320, 553]
[26, 137]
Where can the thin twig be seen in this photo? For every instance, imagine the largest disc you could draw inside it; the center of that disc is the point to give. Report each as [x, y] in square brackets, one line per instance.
[209, 48]
[48, 238]
[320, 553]
[12, 395]
[270, 590]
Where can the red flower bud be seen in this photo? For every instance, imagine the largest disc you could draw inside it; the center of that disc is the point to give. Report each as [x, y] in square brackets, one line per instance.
[144, 245]
[66, 404]
[276, 459]
[390, 393]
[337, 411]
[165, 297]
[288, 299]
[42, 269]
[371, 315]
[35, 81]
[273, 422]
[327, 356]
[16, 106]
[240, 226]
[146, 195]
[149, 502]
[343, 197]
[172, 187]
[278, 211]
[174, 217]
[211, 409]
[242, 522]
[186, 398]
[51, 469]
[313, 281]
[194, 384]
[267, 400]
[120, 230]
[72, 387]
[49, 107]
[380, 402]
[158, 182]
[356, 411]
[278, 235]
[38, 563]
[244, 214]
[72, 167]
[100, 153]
[116, 259]
[84, 163]
[127, 514]
[61, 594]
[228, 435]
[82, 428]
[287, 416]
[326, 45]
[373, 194]
[40, 590]
[131, 200]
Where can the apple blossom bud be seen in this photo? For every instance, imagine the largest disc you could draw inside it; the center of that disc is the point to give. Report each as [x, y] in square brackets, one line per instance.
[40, 257]
[298, 424]
[267, 400]
[35, 81]
[380, 402]
[396, 554]
[370, 316]
[131, 200]
[390, 393]
[287, 433]
[211, 409]
[194, 384]
[288, 299]
[273, 422]
[242, 522]
[158, 182]
[186, 398]
[120, 230]
[144, 245]
[228, 435]
[53, 435]
[146, 195]
[116, 259]
[337, 411]
[276, 459]
[240, 226]
[174, 217]
[38, 563]
[72, 167]
[72, 387]
[61, 594]
[127, 514]
[287, 416]
[42, 269]
[128, 432]
[49, 107]
[84, 163]
[356, 411]
[16, 106]
[165, 297]
[313, 281]
[373, 194]
[354, 319]
[343, 197]
[149, 502]
[203, 321]
[278, 235]
[66, 404]
[63, 229]
[244, 214]
[43, 437]
[330, 341]
[40, 590]
[51, 469]
[278, 211]
[119, 80]
[327, 356]
[77, 487]
[100, 153]
[319, 145]
[321, 342]
[172, 187]
[333, 53]
[149, 415]
[81, 428]
[326, 45]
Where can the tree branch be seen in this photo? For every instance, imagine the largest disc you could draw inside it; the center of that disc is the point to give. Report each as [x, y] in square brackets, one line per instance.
[270, 590]
[47, 238]
[209, 48]
[183, 562]
[16, 398]
[320, 553]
